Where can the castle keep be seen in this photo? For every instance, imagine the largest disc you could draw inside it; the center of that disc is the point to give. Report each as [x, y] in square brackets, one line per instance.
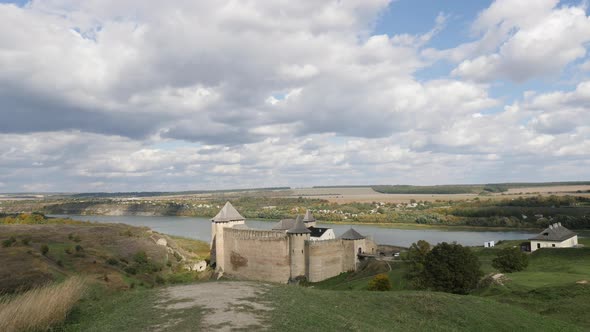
[294, 248]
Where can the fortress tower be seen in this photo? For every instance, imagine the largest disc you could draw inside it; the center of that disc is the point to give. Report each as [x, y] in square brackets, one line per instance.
[226, 218]
[309, 219]
[297, 237]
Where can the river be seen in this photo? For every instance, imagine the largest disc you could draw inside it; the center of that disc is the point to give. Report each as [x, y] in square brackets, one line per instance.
[200, 228]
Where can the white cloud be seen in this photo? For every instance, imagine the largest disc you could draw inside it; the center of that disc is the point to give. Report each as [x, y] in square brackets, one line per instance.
[135, 95]
[539, 38]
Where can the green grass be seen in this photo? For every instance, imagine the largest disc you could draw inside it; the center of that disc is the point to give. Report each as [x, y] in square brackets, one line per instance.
[554, 267]
[134, 310]
[547, 287]
[360, 280]
[298, 309]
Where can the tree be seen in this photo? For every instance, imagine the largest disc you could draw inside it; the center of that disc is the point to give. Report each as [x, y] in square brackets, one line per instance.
[415, 258]
[510, 260]
[450, 267]
[380, 283]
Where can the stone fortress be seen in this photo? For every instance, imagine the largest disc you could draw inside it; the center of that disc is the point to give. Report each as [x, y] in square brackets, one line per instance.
[293, 249]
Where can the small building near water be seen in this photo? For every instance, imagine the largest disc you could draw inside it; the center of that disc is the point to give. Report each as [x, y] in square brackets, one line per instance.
[554, 236]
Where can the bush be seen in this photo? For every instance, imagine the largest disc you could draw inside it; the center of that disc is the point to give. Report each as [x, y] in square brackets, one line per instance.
[44, 249]
[450, 267]
[140, 257]
[380, 283]
[112, 261]
[510, 260]
[8, 242]
[68, 251]
[26, 240]
[130, 270]
[177, 256]
[159, 280]
[79, 248]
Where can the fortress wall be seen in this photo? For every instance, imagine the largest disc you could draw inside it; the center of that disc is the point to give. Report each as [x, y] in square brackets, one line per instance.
[217, 237]
[370, 246]
[349, 258]
[257, 254]
[298, 254]
[325, 259]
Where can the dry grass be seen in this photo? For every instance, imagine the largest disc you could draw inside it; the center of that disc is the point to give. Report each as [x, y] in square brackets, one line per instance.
[40, 308]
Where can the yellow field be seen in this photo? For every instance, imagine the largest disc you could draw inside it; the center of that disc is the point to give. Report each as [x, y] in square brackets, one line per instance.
[549, 189]
[343, 195]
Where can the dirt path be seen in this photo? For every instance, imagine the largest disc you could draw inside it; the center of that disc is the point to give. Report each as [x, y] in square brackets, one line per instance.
[228, 306]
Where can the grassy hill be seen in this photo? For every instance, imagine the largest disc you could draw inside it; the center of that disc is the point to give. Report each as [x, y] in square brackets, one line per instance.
[36, 250]
[552, 286]
[321, 310]
[126, 287]
[296, 308]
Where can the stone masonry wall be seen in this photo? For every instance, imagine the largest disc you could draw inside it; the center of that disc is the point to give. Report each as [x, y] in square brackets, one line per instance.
[257, 254]
[325, 259]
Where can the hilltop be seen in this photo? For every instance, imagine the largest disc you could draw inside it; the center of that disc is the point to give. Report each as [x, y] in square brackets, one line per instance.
[37, 250]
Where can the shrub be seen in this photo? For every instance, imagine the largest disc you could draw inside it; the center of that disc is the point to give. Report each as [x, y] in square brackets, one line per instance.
[159, 280]
[26, 240]
[77, 238]
[112, 261]
[510, 260]
[60, 263]
[8, 242]
[450, 267]
[380, 283]
[40, 308]
[44, 249]
[177, 256]
[130, 270]
[79, 248]
[71, 236]
[68, 251]
[140, 257]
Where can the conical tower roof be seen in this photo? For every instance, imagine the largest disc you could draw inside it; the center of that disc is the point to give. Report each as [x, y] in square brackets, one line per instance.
[228, 213]
[299, 227]
[351, 234]
[308, 217]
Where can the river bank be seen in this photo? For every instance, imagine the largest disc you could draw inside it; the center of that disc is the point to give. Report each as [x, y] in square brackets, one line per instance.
[200, 229]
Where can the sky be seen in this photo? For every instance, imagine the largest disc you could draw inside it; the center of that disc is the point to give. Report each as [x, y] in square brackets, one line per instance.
[133, 95]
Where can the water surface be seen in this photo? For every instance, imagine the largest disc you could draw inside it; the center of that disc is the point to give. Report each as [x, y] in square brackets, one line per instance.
[200, 229]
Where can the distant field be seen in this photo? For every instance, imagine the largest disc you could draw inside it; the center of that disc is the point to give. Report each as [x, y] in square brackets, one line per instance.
[344, 195]
[549, 189]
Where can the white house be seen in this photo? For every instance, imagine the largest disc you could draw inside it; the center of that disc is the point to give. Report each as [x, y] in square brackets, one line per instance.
[320, 233]
[555, 236]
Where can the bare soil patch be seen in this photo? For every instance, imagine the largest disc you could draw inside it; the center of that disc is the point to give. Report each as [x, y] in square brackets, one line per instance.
[229, 306]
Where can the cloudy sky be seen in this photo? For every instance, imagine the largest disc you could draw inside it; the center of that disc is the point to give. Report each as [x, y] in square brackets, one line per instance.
[132, 95]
